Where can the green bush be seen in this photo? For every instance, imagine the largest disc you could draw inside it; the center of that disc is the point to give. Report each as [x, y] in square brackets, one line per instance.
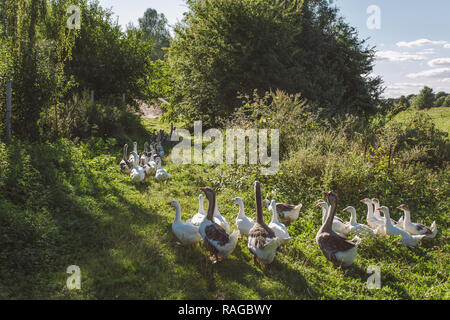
[80, 118]
[225, 48]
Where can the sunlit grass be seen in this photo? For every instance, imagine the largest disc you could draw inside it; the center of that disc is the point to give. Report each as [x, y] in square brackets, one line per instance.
[82, 211]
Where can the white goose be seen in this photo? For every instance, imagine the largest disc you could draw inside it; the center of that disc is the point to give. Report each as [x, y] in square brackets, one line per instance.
[161, 174]
[280, 229]
[137, 174]
[372, 220]
[358, 228]
[243, 223]
[407, 240]
[197, 219]
[338, 226]
[187, 233]
[376, 213]
[223, 222]
[416, 228]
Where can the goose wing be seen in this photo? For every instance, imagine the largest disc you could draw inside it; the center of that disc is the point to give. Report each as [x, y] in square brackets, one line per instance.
[331, 243]
[261, 234]
[216, 235]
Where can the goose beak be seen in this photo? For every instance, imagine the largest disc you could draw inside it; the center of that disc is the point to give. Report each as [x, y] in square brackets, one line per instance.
[202, 189]
[345, 209]
[362, 201]
[169, 203]
[378, 209]
[399, 207]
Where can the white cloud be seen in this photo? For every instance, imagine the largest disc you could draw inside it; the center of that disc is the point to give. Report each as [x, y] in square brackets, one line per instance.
[427, 51]
[445, 80]
[447, 46]
[440, 62]
[433, 73]
[395, 56]
[420, 43]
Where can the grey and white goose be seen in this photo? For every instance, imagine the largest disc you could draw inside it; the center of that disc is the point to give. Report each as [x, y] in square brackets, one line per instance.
[217, 240]
[286, 212]
[262, 241]
[341, 251]
[416, 228]
[125, 165]
[145, 155]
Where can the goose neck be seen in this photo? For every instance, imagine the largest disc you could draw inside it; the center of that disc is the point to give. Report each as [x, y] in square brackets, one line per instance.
[241, 208]
[331, 212]
[177, 212]
[352, 216]
[211, 206]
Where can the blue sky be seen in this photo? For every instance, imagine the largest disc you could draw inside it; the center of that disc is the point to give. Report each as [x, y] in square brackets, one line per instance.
[413, 39]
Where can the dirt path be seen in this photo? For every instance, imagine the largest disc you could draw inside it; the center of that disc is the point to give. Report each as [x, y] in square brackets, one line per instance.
[150, 111]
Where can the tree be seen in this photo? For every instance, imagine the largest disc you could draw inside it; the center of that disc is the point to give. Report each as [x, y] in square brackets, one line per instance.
[225, 48]
[107, 60]
[404, 102]
[446, 103]
[154, 26]
[424, 100]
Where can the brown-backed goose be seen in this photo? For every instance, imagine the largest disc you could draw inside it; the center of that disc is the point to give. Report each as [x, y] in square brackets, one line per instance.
[335, 248]
[262, 242]
[286, 212]
[216, 239]
[416, 228]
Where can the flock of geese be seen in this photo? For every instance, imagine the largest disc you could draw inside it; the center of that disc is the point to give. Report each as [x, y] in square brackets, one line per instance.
[147, 164]
[264, 240]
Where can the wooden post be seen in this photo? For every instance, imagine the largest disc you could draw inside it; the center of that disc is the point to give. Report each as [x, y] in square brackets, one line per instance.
[8, 110]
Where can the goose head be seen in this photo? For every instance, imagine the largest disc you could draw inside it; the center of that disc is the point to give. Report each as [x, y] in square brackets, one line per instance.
[352, 211]
[366, 201]
[266, 202]
[376, 202]
[174, 203]
[403, 207]
[385, 211]
[331, 197]
[349, 209]
[320, 203]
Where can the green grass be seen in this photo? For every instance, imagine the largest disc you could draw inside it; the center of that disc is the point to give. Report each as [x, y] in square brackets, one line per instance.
[440, 117]
[66, 203]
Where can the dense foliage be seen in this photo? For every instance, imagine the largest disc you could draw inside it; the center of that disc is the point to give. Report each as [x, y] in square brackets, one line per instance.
[49, 64]
[226, 47]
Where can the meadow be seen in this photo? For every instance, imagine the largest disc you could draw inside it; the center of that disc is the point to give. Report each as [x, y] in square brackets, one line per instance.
[440, 117]
[65, 203]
